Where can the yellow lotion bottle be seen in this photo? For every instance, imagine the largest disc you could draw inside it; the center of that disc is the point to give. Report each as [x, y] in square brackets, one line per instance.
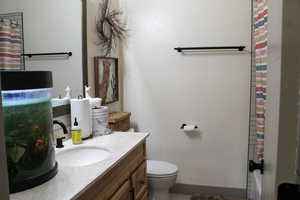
[76, 133]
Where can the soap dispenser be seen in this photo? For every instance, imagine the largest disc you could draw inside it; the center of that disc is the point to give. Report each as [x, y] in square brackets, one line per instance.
[76, 133]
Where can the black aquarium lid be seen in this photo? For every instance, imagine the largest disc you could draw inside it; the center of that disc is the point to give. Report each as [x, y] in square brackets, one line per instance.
[26, 80]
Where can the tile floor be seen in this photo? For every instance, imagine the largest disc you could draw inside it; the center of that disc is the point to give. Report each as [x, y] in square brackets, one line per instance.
[180, 197]
[188, 197]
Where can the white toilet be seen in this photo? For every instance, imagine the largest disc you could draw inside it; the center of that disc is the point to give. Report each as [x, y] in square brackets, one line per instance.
[161, 176]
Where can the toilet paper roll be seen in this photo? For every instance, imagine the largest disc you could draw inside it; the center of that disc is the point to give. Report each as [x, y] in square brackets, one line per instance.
[188, 128]
[81, 109]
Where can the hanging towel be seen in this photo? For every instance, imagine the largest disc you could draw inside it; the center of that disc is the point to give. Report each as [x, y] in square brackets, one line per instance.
[261, 53]
[11, 42]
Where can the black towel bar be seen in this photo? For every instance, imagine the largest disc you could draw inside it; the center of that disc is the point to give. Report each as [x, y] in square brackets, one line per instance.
[239, 48]
[48, 54]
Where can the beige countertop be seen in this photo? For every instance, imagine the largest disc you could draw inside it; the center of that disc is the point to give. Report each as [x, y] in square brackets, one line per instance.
[70, 181]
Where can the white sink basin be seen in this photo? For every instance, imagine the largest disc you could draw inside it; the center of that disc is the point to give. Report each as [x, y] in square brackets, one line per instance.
[82, 156]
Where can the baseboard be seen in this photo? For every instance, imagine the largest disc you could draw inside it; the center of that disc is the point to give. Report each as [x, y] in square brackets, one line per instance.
[196, 189]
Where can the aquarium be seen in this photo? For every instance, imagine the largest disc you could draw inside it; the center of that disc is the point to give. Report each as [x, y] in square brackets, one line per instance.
[27, 112]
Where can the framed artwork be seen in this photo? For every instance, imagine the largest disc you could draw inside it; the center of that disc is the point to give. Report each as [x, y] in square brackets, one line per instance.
[11, 42]
[106, 79]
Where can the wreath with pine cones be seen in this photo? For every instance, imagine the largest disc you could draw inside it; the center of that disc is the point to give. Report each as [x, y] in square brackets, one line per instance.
[109, 27]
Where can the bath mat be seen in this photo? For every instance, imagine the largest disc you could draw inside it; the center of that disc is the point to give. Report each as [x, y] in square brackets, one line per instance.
[207, 197]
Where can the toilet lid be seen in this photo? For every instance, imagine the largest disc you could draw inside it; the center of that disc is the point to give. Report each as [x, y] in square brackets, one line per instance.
[160, 168]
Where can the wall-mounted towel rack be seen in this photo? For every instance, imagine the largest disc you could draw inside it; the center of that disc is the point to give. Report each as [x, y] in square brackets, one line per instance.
[48, 54]
[238, 48]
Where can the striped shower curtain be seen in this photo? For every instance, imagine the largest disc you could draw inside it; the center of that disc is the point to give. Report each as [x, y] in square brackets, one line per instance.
[261, 53]
[11, 42]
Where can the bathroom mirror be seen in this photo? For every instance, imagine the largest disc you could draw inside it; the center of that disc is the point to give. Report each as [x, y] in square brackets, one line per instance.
[52, 26]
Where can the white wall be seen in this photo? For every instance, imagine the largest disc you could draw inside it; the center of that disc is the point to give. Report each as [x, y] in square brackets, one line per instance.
[53, 26]
[164, 89]
[283, 75]
[289, 93]
[273, 100]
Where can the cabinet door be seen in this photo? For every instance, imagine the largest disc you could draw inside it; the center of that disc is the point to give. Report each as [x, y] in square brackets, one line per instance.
[124, 193]
[145, 196]
[139, 181]
[117, 180]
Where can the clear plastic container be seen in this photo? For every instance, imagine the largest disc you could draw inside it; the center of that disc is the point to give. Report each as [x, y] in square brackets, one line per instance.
[100, 121]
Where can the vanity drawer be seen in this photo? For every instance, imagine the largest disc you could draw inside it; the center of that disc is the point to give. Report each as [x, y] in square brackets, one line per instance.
[139, 181]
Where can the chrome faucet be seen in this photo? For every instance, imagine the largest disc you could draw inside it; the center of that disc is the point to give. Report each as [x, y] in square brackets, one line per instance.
[59, 141]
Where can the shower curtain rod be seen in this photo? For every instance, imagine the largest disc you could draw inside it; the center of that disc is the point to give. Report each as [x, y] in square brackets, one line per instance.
[239, 48]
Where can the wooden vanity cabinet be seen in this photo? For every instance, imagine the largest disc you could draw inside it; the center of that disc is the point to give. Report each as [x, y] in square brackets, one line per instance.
[145, 196]
[125, 181]
[139, 181]
[124, 193]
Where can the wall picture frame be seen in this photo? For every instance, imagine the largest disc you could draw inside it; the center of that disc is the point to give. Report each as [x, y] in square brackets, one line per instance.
[106, 79]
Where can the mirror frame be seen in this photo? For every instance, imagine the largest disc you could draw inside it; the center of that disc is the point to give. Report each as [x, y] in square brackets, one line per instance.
[84, 46]
[66, 109]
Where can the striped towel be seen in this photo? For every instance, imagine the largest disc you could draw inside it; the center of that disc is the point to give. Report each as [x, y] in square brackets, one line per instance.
[11, 44]
[261, 53]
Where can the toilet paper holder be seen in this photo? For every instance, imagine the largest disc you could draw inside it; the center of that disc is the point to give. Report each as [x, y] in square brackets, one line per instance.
[184, 125]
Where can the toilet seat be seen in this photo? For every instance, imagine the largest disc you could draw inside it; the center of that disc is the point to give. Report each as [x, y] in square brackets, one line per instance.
[160, 169]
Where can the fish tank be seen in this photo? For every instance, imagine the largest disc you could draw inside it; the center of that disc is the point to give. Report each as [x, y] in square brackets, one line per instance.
[28, 128]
